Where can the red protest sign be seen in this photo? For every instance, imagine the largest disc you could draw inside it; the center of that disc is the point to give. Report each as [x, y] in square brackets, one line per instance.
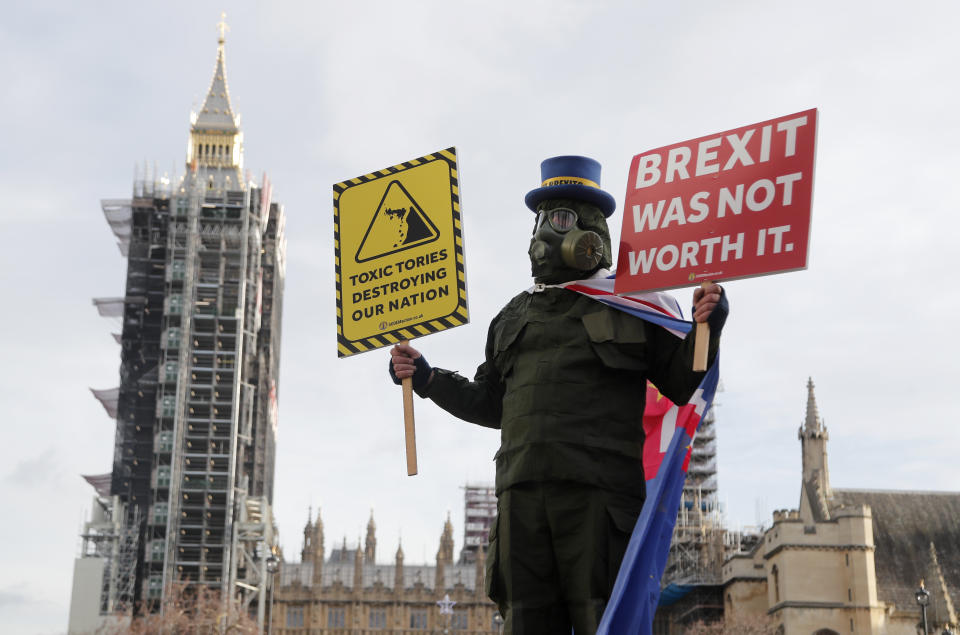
[729, 205]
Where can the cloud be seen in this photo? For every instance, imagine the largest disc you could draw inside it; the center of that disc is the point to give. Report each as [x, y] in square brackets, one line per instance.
[42, 470]
[25, 613]
[13, 598]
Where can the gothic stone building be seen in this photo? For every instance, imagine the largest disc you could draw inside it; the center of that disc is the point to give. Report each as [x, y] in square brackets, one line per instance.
[349, 592]
[850, 561]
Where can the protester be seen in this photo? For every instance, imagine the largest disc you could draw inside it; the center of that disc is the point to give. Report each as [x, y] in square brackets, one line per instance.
[564, 379]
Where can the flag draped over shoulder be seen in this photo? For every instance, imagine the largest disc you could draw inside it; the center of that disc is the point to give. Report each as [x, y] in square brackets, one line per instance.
[669, 433]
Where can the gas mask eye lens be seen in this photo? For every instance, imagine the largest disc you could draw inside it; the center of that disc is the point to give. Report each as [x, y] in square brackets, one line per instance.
[561, 219]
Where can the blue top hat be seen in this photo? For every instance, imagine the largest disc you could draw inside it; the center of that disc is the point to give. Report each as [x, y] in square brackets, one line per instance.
[571, 177]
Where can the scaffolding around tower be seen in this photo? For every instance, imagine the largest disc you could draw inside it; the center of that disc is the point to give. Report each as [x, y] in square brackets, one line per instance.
[103, 573]
[697, 549]
[479, 514]
[188, 498]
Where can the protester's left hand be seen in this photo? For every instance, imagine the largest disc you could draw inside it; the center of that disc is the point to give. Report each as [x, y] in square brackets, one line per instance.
[705, 300]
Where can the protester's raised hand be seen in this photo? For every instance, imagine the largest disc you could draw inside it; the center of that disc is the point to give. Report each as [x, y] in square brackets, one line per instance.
[710, 305]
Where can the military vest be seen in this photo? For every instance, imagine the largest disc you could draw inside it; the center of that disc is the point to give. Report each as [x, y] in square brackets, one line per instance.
[574, 374]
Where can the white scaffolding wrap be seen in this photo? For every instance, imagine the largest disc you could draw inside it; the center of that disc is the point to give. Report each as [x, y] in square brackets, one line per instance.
[119, 215]
[108, 399]
[100, 482]
[113, 307]
[109, 307]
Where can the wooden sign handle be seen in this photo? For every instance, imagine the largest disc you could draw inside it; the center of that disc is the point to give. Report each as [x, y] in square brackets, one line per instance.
[409, 429]
[702, 343]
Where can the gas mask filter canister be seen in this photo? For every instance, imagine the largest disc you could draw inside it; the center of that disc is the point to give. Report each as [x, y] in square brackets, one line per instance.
[557, 238]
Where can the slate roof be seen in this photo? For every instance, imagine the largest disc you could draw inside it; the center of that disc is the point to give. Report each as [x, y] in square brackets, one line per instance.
[904, 525]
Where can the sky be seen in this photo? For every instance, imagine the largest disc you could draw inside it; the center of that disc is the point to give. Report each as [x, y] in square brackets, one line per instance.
[328, 91]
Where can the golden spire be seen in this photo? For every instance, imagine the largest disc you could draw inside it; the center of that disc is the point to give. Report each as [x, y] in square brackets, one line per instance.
[215, 137]
[222, 28]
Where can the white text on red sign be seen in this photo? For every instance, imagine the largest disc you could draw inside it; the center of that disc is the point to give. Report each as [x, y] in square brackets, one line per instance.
[725, 206]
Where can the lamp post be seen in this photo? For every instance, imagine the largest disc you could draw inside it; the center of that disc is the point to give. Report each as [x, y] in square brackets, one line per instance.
[923, 599]
[271, 565]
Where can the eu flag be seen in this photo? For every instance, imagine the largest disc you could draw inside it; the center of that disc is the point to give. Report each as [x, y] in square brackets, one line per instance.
[637, 590]
[669, 431]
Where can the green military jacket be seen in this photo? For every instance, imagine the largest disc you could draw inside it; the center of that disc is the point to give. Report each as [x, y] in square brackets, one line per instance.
[564, 379]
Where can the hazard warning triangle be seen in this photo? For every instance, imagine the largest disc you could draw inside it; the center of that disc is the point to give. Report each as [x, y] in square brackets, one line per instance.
[399, 224]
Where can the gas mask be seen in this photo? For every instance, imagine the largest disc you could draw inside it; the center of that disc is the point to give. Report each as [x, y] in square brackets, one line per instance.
[560, 250]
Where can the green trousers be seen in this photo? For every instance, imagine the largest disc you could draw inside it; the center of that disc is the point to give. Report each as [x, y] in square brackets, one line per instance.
[554, 554]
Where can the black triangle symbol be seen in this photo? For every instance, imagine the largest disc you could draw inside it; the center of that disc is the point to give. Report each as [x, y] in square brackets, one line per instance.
[398, 224]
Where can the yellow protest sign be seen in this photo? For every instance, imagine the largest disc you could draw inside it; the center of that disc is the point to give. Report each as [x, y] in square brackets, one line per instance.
[399, 254]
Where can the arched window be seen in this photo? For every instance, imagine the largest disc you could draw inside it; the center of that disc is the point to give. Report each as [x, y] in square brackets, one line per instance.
[826, 631]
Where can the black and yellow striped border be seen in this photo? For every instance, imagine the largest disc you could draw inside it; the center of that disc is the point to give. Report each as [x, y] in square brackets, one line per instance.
[458, 317]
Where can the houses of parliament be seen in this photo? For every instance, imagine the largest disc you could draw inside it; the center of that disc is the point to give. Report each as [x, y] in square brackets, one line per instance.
[350, 592]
